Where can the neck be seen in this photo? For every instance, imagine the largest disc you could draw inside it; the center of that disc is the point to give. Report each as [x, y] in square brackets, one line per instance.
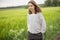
[33, 12]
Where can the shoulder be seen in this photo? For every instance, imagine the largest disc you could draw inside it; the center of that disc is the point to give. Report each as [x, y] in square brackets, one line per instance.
[40, 14]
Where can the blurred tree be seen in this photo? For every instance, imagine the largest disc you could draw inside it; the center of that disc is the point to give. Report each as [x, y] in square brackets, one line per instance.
[58, 2]
[48, 2]
[55, 2]
[52, 3]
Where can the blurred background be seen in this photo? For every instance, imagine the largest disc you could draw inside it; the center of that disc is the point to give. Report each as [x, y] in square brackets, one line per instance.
[15, 3]
[13, 19]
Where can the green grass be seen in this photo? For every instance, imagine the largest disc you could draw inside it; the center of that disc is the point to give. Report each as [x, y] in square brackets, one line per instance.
[13, 23]
[52, 16]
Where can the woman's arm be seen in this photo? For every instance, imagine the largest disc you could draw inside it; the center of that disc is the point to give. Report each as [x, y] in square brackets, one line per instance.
[43, 29]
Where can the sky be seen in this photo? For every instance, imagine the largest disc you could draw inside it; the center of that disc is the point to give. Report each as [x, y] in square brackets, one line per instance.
[8, 3]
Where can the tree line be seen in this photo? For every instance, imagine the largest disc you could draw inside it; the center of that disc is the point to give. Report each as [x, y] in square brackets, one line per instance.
[52, 3]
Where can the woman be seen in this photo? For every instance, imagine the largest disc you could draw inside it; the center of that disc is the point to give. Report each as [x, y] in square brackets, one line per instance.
[35, 22]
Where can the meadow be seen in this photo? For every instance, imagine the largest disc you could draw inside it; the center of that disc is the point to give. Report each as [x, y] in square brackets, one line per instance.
[13, 23]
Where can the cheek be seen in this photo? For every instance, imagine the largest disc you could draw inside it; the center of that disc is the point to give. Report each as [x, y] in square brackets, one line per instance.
[30, 8]
[34, 7]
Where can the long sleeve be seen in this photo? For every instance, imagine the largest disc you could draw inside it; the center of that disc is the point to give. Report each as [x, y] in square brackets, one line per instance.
[43, 23]
[36, 23]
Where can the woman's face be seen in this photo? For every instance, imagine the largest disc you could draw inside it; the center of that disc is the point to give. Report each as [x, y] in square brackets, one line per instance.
[31, 7]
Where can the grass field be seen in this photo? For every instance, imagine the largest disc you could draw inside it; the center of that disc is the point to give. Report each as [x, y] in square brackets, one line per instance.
[13, 23]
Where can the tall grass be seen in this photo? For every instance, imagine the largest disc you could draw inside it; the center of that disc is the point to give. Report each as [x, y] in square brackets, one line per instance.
[13, 23]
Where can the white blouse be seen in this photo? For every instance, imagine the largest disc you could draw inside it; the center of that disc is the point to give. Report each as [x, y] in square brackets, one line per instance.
[36, 23]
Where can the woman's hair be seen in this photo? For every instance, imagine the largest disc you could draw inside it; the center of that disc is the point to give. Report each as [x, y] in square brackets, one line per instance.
[37, 9]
